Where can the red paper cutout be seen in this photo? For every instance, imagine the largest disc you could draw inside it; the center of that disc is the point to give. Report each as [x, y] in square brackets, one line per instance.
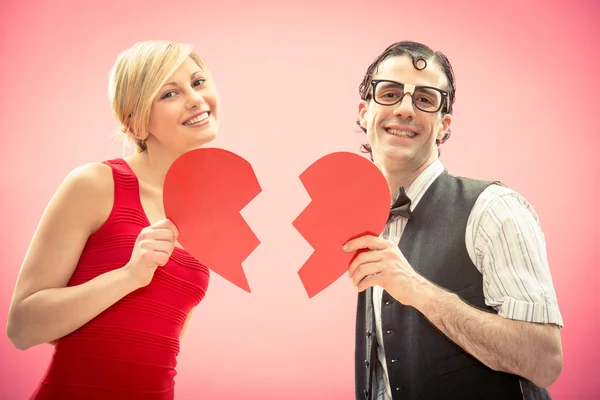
[350, 198]
[205, 190]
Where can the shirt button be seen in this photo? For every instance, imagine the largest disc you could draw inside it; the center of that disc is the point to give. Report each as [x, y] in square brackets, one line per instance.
[396, 239]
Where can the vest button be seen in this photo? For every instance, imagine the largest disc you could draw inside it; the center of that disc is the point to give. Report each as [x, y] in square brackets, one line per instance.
[389, 331]
[368, 334]
[366, 394]
[399, 389]
[394, 360]
[387, 303]
[366, 363]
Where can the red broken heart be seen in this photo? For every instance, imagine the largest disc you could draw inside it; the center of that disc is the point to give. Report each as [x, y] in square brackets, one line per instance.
[350, 198]
[205, 190]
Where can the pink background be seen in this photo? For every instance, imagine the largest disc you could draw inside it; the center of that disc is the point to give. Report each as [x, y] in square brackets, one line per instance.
[526, 113]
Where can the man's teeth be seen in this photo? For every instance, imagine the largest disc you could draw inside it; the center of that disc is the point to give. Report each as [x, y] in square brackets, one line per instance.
[396, 132]
[197, 119]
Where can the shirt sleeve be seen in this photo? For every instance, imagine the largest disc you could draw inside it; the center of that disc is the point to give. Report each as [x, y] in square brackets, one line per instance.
[505, 242]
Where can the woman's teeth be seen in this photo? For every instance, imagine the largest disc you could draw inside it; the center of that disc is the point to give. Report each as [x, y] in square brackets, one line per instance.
[197, 119]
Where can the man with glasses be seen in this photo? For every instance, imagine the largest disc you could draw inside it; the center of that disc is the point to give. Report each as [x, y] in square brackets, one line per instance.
[456, 299]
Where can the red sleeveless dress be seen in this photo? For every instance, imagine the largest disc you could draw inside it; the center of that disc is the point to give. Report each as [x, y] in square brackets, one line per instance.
[130, 350]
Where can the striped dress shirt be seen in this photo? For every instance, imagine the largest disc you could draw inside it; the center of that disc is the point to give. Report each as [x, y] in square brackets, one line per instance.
[506, 244]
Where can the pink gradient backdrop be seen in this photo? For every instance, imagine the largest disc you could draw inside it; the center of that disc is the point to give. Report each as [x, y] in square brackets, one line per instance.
[288, 74]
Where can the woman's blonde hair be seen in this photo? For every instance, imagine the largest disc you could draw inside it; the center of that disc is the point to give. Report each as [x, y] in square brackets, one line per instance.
[137, 76]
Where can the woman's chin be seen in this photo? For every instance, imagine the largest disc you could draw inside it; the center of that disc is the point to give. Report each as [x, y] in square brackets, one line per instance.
[202, 140]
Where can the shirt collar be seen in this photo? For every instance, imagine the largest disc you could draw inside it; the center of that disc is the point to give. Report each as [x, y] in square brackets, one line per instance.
[420, 185]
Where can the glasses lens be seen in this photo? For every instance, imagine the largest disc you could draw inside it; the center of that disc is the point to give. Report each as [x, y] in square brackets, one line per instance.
[388, 93]
[427, 99]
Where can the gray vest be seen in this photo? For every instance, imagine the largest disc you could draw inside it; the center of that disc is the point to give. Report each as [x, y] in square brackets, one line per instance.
[422, 362]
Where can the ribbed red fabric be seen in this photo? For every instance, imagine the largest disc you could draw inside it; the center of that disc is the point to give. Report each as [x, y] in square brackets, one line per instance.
[130, 350]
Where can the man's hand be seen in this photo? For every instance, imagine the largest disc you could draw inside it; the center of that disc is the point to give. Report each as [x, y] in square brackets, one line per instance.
[526, 349]
[383, 264]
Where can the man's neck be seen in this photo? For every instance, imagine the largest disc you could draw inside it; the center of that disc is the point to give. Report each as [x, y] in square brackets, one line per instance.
[398, 174]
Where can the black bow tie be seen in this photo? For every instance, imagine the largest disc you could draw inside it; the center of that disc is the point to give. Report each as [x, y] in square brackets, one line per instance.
[401, 205]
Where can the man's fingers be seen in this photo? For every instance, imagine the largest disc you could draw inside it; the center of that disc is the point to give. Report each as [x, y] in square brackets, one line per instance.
[363, 258]
[369, 242]
[366, 270]
[368, 281]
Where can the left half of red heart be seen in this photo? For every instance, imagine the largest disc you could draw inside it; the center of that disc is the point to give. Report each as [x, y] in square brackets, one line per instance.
[204, 192]
[349, 198]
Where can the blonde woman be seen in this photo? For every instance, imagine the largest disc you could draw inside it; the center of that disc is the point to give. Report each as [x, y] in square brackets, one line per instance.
[104, 277]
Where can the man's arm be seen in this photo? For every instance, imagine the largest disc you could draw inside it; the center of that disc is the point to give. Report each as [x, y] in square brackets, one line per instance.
[527, 349]
[508, 248]
[506, 243]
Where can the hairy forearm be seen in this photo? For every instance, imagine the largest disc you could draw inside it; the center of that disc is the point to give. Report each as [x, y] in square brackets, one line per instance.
[52, 313]
[526, 349]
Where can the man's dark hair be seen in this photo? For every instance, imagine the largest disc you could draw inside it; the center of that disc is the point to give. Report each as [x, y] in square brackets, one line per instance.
[420, 55]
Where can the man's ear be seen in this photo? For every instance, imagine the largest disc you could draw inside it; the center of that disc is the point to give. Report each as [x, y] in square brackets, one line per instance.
[363, 107]
[444, 132]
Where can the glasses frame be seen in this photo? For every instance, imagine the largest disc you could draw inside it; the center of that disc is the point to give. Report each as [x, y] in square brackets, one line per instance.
[410, 89]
